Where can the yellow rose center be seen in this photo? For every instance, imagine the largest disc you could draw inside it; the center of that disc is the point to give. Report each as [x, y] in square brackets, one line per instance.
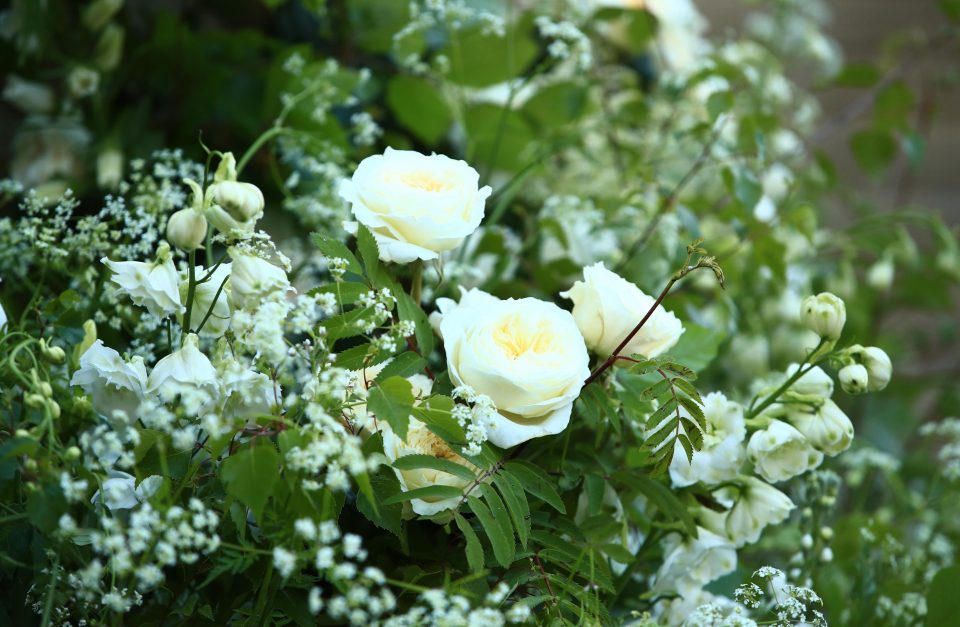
[515, 339]
[424, 181]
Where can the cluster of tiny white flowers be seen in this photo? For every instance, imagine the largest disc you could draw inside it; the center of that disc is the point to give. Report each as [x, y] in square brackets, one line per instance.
[567, 41]
[381, 303]
[947, 432]
[365, 129]
[454, 15]
[135, 552]
[475, 414]
[436, 608]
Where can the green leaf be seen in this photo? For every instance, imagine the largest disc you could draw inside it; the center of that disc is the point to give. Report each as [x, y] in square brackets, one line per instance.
[370, 254]
[388, 517]
[410, 462]
[943, 600]
[594, 486]
[874, 150]
[537, 483]
[392, 401]
[334, 248]
[347, 292]
[430, 492]
[410, 310]
[499, 512]
[474, 549]
[250, 474]
[478, 59]
[697, 347]
[403, 365]
[516, 501]
[661, 497]
[557, 104]
[503, 548]
[418, 106]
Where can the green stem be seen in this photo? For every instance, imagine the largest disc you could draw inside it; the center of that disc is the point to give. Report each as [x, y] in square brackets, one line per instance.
[266, 136]
[416, 285]
[212, 304]
[48, 601]
[14, 517]
[770, 400]
[191, 290]
[262, 598]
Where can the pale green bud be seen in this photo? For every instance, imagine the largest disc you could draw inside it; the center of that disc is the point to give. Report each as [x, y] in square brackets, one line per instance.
[824, 314]
[186, 229]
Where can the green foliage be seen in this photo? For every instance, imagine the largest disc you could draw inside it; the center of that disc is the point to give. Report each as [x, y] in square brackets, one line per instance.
[250, 475]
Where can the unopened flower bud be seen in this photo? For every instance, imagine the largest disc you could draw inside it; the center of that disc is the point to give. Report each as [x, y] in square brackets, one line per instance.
[826, 555]
[806, 541]
[30, 464]
[46, 389]
[824, 314]
[879, 367]
[853, 379]
[72, 453]
[23, 433]
[110, 47]
[34, 400]
[54, 408]
[53, 354]
[826, 533]
[243, 201]
[880, 274]
[186, 229]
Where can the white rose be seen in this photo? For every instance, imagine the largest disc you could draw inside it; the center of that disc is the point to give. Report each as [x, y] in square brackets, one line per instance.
[416, 206]
[112, 383]
[252, 279]
[187, 372]
[824, 314]
[853, 378]
[780, 452]
[203, 299]
[154, 285]
[421, 441]
[121, 492]
[526, 355]
[723, 450]
[689, 564]
[607, 307]
[758, 504]
[828, 430]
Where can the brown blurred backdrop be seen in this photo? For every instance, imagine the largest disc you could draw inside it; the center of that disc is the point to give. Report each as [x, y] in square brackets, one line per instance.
[861, 27]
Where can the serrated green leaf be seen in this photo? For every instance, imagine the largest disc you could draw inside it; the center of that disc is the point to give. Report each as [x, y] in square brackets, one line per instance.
[687, 388]
[347, 292]
[403, 365]
[410, 310]
[388, 517]
[435, 492]
[516, 501]
[537, 483]
[334, 248]
[410, 462]
[474, 549]
[660, 387]
[594, 486]
[392, 402]
[250, 474]
[695, 410]
[660, 496]
[503, 549]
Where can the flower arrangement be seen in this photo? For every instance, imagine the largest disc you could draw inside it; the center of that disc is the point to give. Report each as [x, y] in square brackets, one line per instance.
[554, 337]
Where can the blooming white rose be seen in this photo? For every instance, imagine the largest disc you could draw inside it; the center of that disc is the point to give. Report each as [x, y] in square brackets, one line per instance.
[203, 299]
[828, 429]
[526, 355]
[152, 284]
[421, 441]
[120, 490]
[187, 372]
[416, 206]
[757, 505]
[854, 378]
[253, 278]
[690, 563]
[112, 383]
[780, 452]
[607, 307]
[723, 451]
[824, 314]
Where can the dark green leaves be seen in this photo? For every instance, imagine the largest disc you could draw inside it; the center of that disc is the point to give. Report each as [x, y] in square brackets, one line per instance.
[474, 549]
[335, 249]
[536, 482]
[392, 401]
[430, 492]
[874, 150]
[943, 602]
[678, 416]
[492, 523]
[251, 473]
[419, 107]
